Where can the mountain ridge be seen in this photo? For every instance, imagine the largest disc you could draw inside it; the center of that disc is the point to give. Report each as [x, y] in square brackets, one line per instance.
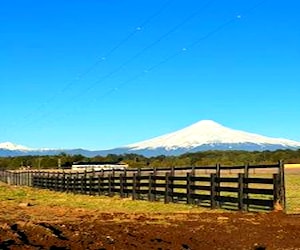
[201, 136]
[208, 132]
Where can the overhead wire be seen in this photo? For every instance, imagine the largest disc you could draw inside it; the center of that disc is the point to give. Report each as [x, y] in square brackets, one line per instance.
[168, 58]
[188, 47]
[146, 48]
[184, 49]
[139, 53]
[123, 41]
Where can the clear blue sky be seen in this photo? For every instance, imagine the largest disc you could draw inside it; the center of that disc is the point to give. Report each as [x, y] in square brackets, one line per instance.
[99, 74]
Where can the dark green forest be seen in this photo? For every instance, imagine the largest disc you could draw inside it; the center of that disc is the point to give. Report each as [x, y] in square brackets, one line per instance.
[205, 158]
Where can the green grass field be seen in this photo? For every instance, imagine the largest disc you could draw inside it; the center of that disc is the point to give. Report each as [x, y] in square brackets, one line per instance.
[292, 182]
[21, 194]
[12, 194]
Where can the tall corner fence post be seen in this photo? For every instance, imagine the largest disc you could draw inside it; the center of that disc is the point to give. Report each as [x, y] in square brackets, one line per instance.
[282, 198]
[276, 190]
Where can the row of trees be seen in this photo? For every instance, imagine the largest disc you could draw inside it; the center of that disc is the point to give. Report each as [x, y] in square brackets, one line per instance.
[189, 159]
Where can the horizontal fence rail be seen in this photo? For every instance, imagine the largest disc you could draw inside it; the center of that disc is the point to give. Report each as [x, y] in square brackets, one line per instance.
[204, 186]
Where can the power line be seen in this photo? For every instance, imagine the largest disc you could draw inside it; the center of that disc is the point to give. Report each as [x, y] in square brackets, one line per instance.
[135, 56]
[146, 48]
[185, 49]
[101, 59]
[168, 58]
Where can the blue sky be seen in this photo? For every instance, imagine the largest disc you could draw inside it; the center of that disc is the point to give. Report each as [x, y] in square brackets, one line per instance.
[99, 74]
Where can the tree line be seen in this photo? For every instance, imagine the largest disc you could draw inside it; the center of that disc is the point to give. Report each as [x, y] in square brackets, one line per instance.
[203, 158]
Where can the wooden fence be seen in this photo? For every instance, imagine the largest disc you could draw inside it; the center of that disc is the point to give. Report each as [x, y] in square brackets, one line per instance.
[234, 187]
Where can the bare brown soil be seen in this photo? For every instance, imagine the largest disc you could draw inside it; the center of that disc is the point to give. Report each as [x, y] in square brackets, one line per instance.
[37, 227]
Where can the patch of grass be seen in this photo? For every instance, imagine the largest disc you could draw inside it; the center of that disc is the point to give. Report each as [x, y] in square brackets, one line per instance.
[16, 195]
[292, 182]
[20, 194]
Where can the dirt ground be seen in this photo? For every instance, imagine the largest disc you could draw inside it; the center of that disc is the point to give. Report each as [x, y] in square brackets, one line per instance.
[34, 227]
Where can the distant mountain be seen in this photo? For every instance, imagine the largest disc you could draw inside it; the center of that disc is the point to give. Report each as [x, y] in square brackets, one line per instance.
[201, 136]
[208, 135]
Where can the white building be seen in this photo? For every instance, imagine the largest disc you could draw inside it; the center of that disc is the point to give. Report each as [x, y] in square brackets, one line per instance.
[97, 166]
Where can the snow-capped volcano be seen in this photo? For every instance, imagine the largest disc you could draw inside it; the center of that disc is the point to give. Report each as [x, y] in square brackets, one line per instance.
[201, 136]
[207, 134]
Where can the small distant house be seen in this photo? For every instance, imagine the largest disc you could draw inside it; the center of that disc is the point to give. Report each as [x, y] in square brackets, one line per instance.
[97, 166]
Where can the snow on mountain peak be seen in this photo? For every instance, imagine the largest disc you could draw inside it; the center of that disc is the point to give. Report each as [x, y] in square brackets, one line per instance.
[11, 146]
[207, 132]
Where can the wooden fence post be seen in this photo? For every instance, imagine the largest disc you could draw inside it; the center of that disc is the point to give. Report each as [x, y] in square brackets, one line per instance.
[188, 189]
[125, 189]
[21, 178]
[172, 171]
[63, 182]
[72, 190]
[14, 178]
[282, 198]
[27, 179]
[276, 189]
[56, 182]
[217, 182]
[112, 177]
[48, 180]
[110, 185]
[68, 184]
[85, 182]
[193, 171]
[151, 187]
[241, 192]
[171, 183]
[82, 181]
[246, 176]
[167, 188]
[154, 184]
[75, 183]
[39, 179]
[122, 185]
[213, 194]
[17, 178]
[91, 183]
[100, 183]
[134, 186]
[138, 184]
